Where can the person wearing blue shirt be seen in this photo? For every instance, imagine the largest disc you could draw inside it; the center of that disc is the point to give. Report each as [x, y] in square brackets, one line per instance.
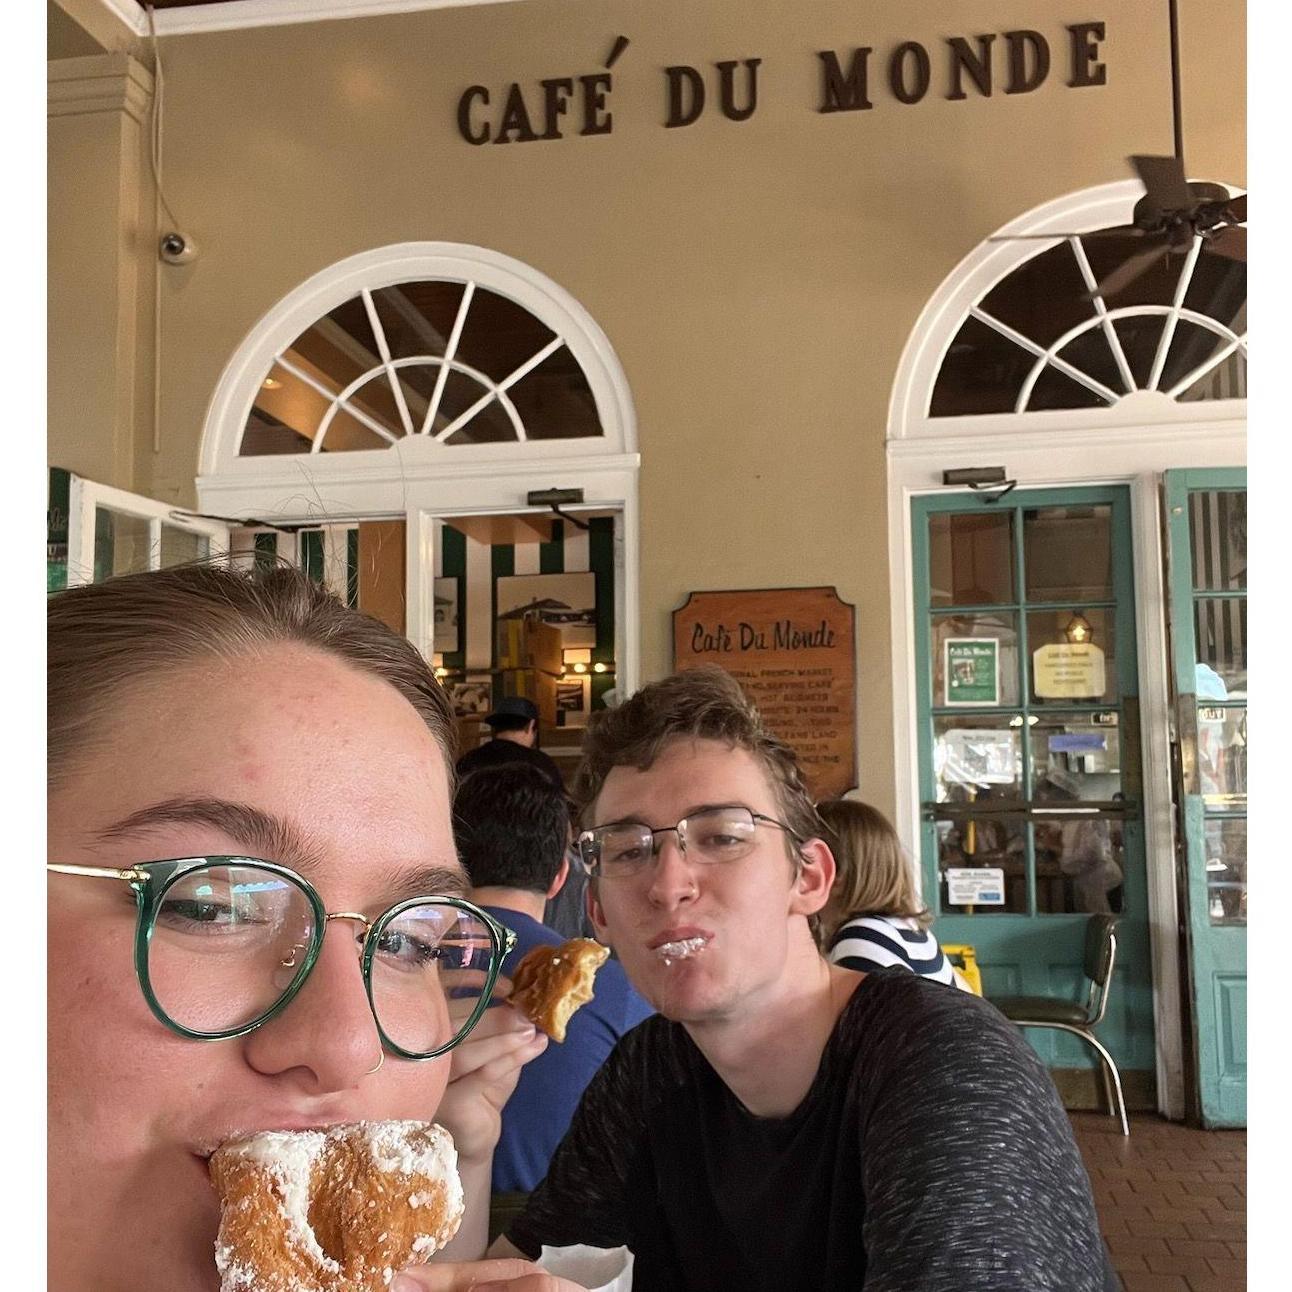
[512, 827]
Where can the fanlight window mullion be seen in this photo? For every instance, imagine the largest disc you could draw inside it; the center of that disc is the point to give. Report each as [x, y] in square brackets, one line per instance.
[1062, 365]
[525, 368]
[1101, 309]
[342, 401]
[450, 351]
[383, 349]
[333, 399]
[1172, 319]
[1207, 366]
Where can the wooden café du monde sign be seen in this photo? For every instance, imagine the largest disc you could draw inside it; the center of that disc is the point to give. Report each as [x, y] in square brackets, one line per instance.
[791, 649]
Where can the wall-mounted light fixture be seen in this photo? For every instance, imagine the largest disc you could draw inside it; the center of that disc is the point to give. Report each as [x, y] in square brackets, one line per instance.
[1078, 629]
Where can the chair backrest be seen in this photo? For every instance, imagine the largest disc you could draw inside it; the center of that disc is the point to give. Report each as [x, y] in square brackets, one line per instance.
[1100, 941]
[1100, 956]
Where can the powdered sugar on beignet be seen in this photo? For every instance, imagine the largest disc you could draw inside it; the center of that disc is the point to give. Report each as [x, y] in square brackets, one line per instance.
[335, 1210]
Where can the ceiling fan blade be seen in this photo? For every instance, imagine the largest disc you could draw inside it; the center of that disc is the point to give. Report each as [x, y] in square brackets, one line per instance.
[1236, 210]
[1164, 183]
[1230, 242]
[1129, 270]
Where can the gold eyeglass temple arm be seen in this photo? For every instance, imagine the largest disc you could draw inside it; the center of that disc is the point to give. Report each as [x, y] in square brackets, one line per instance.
[101, 872]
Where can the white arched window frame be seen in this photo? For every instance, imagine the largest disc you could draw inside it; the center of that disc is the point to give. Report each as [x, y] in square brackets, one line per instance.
[419, 477]
[960, 297]
[1129, 440]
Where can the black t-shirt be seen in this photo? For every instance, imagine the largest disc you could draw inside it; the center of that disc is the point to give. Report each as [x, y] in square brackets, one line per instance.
[495, 752]
[931, 1154]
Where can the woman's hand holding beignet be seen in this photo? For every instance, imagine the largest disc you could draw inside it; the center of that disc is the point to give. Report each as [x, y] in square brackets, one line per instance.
[484, 1072]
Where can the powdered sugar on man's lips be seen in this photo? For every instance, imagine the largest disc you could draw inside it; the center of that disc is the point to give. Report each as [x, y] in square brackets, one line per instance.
[681, 949]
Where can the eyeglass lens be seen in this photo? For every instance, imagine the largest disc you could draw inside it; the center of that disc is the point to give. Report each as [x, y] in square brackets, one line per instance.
[717, 835]
[429, 970]
[229, 941]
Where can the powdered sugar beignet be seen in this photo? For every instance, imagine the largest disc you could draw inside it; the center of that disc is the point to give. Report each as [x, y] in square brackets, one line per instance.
[336, 1210]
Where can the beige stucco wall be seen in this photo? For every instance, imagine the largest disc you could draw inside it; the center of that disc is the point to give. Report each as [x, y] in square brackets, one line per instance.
[100, 267]
[758, 280]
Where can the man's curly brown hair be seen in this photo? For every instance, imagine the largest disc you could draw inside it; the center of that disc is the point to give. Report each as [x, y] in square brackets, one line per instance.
[699, 704]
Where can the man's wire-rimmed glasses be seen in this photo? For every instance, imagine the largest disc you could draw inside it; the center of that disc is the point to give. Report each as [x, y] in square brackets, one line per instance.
[223, 945]
[711, 836]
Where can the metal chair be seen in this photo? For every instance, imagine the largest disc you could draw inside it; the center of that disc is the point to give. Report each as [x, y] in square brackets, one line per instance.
[1074, 1017]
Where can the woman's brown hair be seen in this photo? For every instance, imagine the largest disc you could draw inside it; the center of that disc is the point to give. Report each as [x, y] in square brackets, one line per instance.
[106, 637]
[873, 877]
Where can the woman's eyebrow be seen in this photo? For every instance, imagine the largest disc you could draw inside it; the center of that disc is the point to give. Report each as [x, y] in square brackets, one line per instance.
[399, 882]
[260, 833]
[270, 838]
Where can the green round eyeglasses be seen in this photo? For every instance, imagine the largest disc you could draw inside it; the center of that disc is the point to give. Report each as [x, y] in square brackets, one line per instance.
[223, 944]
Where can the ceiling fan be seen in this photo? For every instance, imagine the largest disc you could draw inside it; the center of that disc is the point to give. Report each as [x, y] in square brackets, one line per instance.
[1173, 210]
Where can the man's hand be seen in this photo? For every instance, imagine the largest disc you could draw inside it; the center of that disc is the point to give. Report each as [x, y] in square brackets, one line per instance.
[484, 1072]
[481, 1276]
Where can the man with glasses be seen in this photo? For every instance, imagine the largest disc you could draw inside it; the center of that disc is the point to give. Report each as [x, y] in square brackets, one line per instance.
[511, 826]
[784, 1122]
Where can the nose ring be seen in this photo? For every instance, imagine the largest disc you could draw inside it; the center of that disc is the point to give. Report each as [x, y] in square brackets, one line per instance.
[380, 1061]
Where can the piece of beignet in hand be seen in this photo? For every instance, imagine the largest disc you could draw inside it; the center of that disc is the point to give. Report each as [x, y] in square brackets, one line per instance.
[335, 1210]
[550, 983]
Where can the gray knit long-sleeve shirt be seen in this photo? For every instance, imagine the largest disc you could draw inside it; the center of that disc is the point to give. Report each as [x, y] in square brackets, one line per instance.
[931, 1154]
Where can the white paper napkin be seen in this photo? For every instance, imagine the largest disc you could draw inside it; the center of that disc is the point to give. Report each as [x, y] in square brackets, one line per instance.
[599, 1269]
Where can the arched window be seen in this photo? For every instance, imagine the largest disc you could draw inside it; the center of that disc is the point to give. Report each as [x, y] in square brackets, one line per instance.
[412, 359]
[1021, 329]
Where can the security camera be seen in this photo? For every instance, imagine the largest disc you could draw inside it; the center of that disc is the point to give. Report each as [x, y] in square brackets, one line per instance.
[177, 249]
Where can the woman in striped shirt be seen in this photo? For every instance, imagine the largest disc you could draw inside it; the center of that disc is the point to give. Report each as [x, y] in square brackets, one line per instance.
[874, 918]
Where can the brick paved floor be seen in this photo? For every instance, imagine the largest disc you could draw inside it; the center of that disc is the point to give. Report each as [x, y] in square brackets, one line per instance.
[1172, 1202]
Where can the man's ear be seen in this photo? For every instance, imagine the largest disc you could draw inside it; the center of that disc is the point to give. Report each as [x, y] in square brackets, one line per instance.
[558, 880]
[595, 912]
[815, 878]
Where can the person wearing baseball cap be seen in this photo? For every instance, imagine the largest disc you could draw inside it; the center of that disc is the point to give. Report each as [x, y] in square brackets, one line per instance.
[515, 740]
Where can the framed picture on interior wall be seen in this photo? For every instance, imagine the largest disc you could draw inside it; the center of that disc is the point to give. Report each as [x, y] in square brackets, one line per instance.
[573, 700]
[470, 699]
[446, 616]
[566, 601]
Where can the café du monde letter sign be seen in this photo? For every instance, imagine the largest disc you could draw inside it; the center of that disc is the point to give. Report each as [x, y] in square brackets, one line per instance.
[791, 649]
[576, 104]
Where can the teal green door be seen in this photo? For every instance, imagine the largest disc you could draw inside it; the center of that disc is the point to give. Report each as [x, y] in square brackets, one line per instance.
[1029, 750]
[1206, 517]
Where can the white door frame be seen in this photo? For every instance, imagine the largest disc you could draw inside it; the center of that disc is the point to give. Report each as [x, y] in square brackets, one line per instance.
[1131, 443]
[610, 488]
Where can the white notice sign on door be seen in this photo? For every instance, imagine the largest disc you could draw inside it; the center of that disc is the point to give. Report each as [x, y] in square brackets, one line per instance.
[975, 886]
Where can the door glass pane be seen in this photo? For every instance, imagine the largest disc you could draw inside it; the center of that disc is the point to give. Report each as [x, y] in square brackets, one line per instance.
[1073, 655]
[1079, 866]
[1218, 533]
[179, 546]
[1220, 628]
[971, 558]
[1222, 755]
[975, 758]
[1067, 553]
[1075, 757]
[1226, 849]
[989, 845]
[120, 543]
[962, 631]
